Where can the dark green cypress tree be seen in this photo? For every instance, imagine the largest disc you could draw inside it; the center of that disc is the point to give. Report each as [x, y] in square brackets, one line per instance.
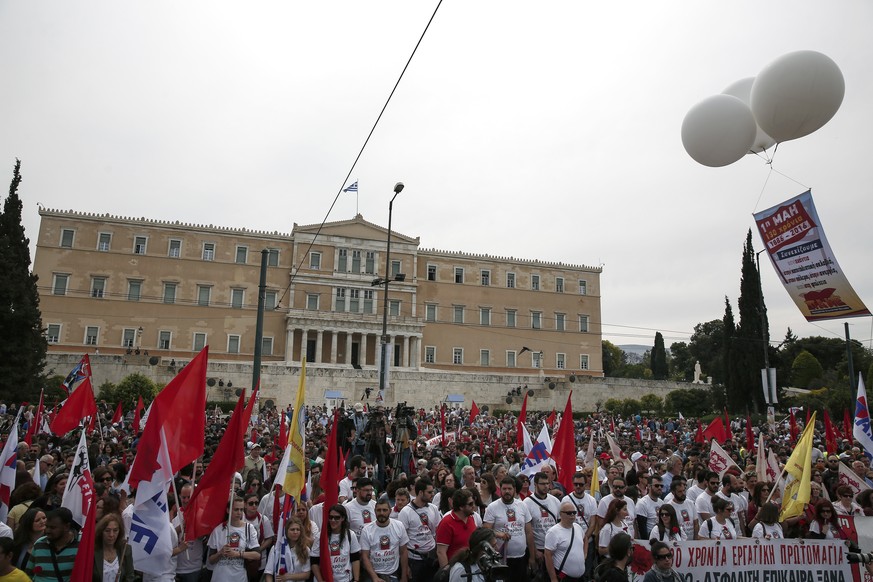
[660, 370]
[22, 343]
[728, 354]
[752, 333]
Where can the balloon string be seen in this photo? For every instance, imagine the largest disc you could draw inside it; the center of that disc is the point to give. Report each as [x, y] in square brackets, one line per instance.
[772, 169]
[764, 187]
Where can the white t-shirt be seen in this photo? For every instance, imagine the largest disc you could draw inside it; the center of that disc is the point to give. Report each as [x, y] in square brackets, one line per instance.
[648, 508]
[694, 492]
[586, 509]
[264, 527]
[340, 555]
[384, 544]
[420, 524]
[291, 563]
[360, 515]
[191, 560]
[345, 488]
[544, 514]
[703, 504]
[231, 569]
[712, 530]
[770, 532]
[631, 511]
[509, 518]
[687, 516]
[558, 542]
[459, 574]
[609, 531]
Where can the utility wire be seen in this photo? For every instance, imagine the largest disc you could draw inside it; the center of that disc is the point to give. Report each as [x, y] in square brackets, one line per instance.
[360, 153]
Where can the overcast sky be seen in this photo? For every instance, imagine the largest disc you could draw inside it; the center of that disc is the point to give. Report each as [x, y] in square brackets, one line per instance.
[540, 130]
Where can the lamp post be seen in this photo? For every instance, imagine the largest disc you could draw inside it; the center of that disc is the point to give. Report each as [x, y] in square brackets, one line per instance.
[383, 368]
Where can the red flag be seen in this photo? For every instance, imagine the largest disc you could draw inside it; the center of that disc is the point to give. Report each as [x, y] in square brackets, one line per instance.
[698, 437]
[35, 422]
[793, 427]
[443, 424]
[639, 435]
[564, 447]
[80, 499]
[208, 503]
[808, 410]
[522, 418]
[119, 414]
[728, 434]
[750, 436]
[474, 412]
[330, 478]
[180, 410]
[830, 434]
[283, 432]
[77, 407]
[847, 424]
[550, 420]
[716, 431]
[137, 416]
[254, 435]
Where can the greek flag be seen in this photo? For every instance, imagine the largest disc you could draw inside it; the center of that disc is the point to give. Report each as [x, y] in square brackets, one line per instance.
[539, 455]
[352, 188]
[862, 430]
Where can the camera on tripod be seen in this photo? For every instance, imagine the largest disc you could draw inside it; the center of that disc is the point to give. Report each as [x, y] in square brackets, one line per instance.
[489, 564]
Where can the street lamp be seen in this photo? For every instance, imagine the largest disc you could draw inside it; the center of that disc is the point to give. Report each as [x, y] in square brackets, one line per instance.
[383, 369]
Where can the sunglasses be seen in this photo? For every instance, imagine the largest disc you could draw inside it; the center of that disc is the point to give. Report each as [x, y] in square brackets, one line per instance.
[664, 514]
[578, 484]
[664, 556]
[569, 512]
[252, 503]
[335, 518]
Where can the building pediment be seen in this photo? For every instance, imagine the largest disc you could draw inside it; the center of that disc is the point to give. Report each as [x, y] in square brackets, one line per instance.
[356, 227]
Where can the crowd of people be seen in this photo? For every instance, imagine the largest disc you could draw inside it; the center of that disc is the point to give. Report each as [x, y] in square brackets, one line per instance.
[428, 495]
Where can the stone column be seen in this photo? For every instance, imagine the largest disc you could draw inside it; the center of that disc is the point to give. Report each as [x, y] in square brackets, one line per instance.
[404, 361]
[363, 349]
[348, 347]
[289, 346]
[304, 338]
[334, 336]
[319, 337]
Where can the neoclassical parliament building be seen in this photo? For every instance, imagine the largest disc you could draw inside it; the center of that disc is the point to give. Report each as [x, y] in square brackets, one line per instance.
[117, 285]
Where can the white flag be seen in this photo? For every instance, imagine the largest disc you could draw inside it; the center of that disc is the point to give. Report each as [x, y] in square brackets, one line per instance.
[8, 466]
[719, 460]
[761, 460]
[79, 492]
[862, 430]
[589, 454]
[540, 454]
[150, 535]
[850, 478]
[618, 455]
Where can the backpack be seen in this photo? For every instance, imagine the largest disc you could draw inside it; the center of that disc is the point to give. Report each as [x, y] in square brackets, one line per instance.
[442, 574]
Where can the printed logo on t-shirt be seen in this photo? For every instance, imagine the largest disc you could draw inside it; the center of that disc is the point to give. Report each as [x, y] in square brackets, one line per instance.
[366, 516]
[544, 513]
[580, 510]
[424, 519]
[334, 548]
[234, 540]
[384, 543]
[685, 516]
[510, 514]
[726, 533]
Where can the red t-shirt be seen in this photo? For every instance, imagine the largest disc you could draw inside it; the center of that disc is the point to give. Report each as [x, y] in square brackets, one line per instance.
[455, 533]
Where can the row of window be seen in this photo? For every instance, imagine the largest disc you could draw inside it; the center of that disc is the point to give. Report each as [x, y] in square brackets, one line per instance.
[485, 280]
[431, 314]
[174, 247]
[130, 338]
[169, 294]
[510, 361]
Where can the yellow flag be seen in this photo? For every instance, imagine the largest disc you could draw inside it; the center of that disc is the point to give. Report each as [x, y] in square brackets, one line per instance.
[799, 466]
[595, 482]
[295, 474]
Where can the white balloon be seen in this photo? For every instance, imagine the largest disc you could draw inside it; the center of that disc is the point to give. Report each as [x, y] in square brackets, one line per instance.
[742, 90]
[797, 94]
[718, 131]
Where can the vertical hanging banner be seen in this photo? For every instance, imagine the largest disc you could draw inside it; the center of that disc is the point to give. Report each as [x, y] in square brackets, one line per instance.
[800, 253]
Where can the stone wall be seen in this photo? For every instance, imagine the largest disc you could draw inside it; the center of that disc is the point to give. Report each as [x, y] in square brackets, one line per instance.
[416, 387]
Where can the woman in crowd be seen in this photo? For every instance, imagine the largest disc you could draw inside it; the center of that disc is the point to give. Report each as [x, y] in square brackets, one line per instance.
[113, 560]
[487, 488]
[448, 483]
[846, 504]
[826, 526]
[310, 528]
[613, 524]
[30, 528]
[614, 567]
[345, 561]
[254, 484]
[667, 528]
[720, 526]
[445, 505]
[289, 560]
[20, 502]
[467, 560]
[760, 493]
[54, 492]
[768, 526]
[662, 564]
[229, 547]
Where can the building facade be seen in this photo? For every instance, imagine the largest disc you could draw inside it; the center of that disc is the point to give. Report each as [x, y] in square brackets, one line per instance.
[116, 285]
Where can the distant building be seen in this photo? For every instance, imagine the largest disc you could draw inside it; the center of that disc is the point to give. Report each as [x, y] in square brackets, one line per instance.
[134, 285]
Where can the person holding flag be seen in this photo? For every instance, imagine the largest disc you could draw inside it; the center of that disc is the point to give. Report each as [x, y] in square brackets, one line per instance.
[231, 543]
[289, 560]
